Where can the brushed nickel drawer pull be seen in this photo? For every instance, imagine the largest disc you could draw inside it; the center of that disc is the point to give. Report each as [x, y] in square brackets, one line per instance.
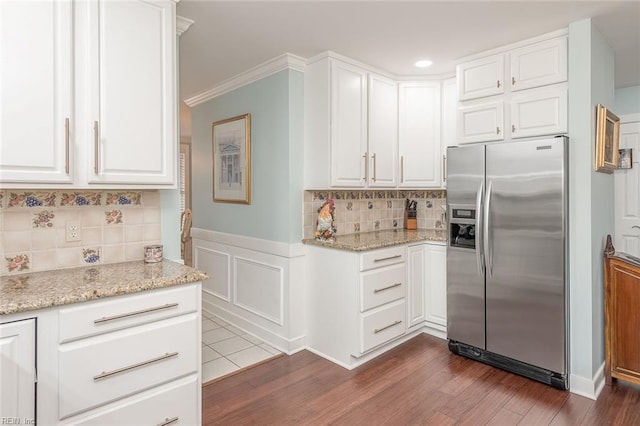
[513, 81]
[366, 166]
[96, 147]
[168, 421]
[498, 84]
[444, 168]
[66, 145]
[130, 314]
[378, 290]
[134, 366]
[387, 258]
[378, 330]
[374, 166]
[402, 169]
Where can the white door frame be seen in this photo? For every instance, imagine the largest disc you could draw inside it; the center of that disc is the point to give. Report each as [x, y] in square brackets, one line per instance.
[627, 197]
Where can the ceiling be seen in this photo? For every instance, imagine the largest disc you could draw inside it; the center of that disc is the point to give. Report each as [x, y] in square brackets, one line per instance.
[229, 37]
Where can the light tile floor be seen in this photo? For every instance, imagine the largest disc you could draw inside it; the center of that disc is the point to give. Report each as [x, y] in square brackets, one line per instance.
[226, 349]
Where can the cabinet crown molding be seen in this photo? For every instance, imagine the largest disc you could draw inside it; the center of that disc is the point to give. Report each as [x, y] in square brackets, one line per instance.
[270, 67]
[182, 24]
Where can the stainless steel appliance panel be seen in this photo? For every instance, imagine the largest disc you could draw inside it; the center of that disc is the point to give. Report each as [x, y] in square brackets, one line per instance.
[465, 275]
[524, 248]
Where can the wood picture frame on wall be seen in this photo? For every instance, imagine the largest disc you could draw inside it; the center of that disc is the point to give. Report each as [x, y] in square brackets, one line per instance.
[232, 160]
[607, 140]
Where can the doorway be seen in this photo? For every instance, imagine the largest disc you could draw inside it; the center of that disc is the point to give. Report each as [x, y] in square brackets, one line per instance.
[627, 190]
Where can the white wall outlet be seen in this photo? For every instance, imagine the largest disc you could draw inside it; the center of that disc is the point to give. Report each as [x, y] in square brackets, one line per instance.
[72, 228]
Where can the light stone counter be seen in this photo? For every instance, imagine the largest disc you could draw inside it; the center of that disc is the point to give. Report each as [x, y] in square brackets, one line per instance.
[26, 292]
[379, 239]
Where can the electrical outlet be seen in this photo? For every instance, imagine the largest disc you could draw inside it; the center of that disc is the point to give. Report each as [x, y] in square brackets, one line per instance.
[72, 228]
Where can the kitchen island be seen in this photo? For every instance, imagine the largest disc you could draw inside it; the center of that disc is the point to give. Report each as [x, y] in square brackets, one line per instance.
[115, 342]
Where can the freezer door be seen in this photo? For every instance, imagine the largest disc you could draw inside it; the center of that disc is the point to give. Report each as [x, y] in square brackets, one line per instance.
[465, 277]
[525, 251]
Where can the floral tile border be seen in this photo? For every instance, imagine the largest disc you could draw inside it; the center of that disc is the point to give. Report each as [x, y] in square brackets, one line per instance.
[377, 194]
[77, 198]
[31, 199]
[123, 198]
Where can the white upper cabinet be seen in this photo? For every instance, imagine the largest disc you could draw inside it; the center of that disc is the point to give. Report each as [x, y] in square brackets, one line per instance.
[448, 133]
[132, 121]
[539, 64]
[348, 125]
[383, 132]
[531, 102]
[36, 72]
[419, 134]
[88, 93]
[480, 78]
[481, 122]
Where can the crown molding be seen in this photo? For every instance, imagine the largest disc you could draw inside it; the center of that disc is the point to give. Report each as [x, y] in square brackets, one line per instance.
[182, 24]
[277, 64]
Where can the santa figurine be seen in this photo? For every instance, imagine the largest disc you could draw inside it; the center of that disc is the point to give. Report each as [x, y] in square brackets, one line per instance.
[325, 227]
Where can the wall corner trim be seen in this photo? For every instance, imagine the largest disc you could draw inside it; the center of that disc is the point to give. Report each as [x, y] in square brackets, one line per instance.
[272, 66]
[277, 248]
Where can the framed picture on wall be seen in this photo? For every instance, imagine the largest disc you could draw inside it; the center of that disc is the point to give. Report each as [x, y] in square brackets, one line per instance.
[607, 140]
[232, 160]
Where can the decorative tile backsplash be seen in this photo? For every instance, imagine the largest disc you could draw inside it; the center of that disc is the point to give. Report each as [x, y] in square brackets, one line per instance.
[114, 226]
[364, 211]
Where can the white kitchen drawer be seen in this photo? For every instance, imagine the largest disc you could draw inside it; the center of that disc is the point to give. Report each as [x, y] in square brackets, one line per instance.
[137, 358]
[382, 257]
[381, 325]
[177, 400]
[380, 286]
[106, 315]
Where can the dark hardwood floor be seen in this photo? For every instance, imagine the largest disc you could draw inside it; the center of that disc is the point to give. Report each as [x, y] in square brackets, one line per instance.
[417, 383]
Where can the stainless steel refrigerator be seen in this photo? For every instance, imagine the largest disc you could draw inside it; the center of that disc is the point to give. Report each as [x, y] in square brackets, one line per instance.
[507, 256]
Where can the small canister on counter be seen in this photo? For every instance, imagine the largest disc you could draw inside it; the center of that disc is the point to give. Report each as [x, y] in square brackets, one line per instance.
[153, 254]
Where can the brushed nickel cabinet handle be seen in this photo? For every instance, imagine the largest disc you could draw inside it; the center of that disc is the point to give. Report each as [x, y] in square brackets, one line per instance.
[378, 290]
[373, 157]
[168, 421]
[106, 374]
[513, 81]
[497, 130]
[498, 84]
[387, 258]
[513, 128]
[378, 330]
[635, 226]
[402, 169]
[66, 145]
[444, 168]
[366, 165]
[130, 314]
[96, 147]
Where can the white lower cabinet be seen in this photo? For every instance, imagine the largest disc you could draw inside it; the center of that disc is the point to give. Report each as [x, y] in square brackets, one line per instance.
[131, 359]
[18, 371]
[363, 304]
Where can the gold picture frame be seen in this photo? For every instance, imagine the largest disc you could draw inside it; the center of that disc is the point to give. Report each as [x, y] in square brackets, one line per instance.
[231, 139]
[607, 140]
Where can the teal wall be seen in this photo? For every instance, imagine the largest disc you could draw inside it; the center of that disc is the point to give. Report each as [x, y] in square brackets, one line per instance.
[275, 213]
[590, 196]
[627, 100]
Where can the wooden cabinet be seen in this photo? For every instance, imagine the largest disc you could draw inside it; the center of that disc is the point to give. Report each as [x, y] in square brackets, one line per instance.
[356, 302]
[36, 87]
[622, 318]
[419, 134]
[531, 101]
[85, 102]
[18, 368]
[351, 126]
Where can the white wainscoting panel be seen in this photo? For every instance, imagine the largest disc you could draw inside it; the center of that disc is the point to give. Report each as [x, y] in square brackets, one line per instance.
[217, 265]
[256, 285]
[258, 288]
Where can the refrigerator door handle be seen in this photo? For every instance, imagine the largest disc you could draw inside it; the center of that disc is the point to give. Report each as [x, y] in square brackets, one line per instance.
[486, 237]
[479, 232]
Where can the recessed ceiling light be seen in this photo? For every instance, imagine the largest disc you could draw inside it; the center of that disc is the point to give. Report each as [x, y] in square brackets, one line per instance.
[424, 63]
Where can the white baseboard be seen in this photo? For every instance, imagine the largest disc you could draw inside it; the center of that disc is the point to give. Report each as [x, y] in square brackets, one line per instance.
[288, 346]
[589, 388]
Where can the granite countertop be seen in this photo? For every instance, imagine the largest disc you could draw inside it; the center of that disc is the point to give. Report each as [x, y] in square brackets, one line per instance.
[26, 292]
[379, 239]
